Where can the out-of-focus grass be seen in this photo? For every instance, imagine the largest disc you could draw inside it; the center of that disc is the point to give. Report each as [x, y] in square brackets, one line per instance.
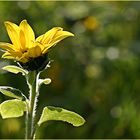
[96, 73]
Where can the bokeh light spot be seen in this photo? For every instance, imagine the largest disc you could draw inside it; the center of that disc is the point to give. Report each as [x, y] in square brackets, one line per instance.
[91, 23]
[116, 112]
[93, 71]
[24, 4]
[112, 53]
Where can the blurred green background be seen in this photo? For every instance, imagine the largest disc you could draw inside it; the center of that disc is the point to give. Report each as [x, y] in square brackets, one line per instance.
[96, 73]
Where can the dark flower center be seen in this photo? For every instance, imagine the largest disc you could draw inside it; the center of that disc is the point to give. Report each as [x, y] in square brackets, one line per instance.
[38, 63]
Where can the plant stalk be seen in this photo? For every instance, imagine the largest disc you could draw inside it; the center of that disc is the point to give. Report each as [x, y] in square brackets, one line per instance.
[31, 79]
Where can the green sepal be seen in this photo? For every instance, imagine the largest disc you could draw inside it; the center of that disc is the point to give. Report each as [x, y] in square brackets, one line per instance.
[59, 114]
[12, 92]
[12, 108]
[15, 69]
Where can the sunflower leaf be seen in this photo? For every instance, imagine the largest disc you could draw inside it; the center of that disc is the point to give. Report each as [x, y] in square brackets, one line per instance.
[15, 69]
[59, 114]
[44, 81]
[11, 92]
[12, 108]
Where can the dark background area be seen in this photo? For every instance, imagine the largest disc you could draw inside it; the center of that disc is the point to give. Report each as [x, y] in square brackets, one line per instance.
[96, 73]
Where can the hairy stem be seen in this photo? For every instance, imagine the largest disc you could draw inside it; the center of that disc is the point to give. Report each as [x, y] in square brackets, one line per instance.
[31, 78]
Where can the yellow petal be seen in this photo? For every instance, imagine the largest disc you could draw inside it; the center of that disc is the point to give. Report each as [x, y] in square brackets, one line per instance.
[40, 45]
[34, 52]
[46, 48]
[16, 54]
[22, 41]
[60, 35]
[52, 37]
[8, 56]
[11, 54]
[29, 33]
[48, 36]
[24, 58]
[6, 46]
[39, 39]
[13, 32]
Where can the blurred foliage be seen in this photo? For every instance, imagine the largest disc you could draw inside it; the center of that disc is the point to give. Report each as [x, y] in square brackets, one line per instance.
[96, 73]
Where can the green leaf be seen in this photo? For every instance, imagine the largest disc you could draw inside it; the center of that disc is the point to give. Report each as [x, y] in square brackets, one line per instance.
[44, 81]
[11, 92]
[12, 108]
[15, 69]
[59, 114]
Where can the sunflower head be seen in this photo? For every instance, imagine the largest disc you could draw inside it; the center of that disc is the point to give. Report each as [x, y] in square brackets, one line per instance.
[30, 52]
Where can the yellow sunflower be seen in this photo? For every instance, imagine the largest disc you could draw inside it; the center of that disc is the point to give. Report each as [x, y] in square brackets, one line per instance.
[25, 47]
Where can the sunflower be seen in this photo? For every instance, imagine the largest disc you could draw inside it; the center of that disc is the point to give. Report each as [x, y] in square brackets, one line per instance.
[28, 50]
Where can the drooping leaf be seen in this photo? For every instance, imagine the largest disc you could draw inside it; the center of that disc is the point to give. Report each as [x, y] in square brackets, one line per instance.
[15, 69]
[11, 92]
[12, 108]
[59, 114]
[44, 81]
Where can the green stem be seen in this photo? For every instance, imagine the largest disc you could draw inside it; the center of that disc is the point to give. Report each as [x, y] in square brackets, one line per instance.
[31, 78]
